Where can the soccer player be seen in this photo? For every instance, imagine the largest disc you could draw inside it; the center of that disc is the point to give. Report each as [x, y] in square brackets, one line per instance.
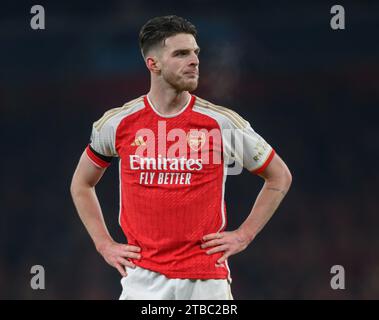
[174, 150]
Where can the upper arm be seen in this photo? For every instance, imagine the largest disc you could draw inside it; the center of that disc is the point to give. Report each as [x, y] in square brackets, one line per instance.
[276, 170]
[87, 173]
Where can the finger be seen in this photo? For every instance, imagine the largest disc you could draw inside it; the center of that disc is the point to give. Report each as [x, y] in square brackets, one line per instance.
[126, 263]
[121, 269]
[223, 258]
[129, 247]
[128, 254]
[211, 243]
[217, 249]
[212, 236]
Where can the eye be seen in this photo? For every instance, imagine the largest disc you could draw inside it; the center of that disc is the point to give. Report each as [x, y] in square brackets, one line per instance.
[180, 53]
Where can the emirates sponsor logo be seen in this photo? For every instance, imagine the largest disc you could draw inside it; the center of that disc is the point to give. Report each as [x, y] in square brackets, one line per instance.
[164, 164]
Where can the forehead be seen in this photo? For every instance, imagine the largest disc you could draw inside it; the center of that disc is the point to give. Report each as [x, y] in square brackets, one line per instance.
[181, 41]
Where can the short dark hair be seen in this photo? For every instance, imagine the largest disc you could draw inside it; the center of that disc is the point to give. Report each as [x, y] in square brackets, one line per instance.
[159, 29]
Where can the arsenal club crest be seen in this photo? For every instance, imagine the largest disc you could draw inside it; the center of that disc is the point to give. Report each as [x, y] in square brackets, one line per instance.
[196, 140]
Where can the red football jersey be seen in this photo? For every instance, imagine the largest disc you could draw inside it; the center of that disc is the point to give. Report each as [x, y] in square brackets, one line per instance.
[173, 170]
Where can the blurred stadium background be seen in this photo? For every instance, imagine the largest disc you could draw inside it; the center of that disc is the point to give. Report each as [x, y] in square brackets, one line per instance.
[312, 92]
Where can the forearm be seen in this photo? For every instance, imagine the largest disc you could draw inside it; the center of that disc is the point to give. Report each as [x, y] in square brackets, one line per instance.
[267, 202]
[89, 210]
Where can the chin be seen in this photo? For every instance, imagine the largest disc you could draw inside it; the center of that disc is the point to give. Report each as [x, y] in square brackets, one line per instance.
[190, 86]
[190, 89]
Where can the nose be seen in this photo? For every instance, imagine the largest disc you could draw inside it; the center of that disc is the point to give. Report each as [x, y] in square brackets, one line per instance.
[194, 60]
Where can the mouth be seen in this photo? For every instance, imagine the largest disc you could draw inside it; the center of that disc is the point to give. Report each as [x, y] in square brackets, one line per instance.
[192, 73]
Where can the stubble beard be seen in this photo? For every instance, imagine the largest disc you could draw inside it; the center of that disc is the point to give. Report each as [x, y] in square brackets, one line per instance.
[181, 84]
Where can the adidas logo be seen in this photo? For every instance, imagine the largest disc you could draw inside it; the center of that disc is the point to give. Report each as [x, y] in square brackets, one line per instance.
[138, 142]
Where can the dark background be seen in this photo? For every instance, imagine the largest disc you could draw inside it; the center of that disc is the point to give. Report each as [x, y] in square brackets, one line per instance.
[310, 91]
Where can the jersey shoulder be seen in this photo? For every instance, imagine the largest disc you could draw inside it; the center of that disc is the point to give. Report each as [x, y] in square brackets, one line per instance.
[113, 116]
[225, 116]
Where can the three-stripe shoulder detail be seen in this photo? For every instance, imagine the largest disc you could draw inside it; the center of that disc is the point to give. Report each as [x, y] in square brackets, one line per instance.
[115, 111]
[233, 116]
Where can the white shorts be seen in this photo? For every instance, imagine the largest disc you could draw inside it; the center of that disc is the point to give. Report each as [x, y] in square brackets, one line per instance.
[144, 284]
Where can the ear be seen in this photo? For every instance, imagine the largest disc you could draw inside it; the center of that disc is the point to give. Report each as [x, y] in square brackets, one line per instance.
[153, 64]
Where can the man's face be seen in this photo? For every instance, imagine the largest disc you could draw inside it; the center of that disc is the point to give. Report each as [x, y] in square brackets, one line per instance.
[179, 62]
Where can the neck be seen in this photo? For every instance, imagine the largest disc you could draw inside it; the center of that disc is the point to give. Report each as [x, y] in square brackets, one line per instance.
[168, 101]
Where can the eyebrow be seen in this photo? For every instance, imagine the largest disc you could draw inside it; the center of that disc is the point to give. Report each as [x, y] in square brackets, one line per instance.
[197, 49]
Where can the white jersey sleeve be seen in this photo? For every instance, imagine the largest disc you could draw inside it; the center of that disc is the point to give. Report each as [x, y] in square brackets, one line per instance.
[242, 146]
[103, 139]
[249, 148]
[101, 148]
